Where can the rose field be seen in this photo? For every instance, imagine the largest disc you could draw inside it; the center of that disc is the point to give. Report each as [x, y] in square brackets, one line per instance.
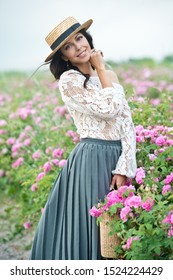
[37, 135]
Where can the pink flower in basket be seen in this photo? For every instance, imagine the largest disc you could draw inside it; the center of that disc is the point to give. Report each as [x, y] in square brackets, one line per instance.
[124, 212]
[113, 198]
[95, 212]
[133, 201]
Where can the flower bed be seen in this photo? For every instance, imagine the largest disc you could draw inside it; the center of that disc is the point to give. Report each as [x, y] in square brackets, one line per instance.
[37, 134]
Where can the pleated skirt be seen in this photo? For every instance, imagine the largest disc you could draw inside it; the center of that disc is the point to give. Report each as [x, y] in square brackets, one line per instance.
[66, 230]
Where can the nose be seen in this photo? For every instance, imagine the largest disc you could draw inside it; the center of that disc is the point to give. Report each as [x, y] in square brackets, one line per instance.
[78, 46]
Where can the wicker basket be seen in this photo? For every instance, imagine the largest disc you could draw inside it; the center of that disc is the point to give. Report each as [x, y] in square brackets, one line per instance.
[108, 242]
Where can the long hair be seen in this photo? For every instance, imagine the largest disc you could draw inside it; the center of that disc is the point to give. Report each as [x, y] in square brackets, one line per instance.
[59, 66]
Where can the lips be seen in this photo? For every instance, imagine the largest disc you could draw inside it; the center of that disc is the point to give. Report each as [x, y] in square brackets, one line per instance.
[82, 54]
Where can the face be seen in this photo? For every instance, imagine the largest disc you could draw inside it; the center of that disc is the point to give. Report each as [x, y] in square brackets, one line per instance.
[77, 50]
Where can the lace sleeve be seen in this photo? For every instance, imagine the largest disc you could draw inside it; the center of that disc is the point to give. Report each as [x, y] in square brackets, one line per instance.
[103, 103]
[127, 162]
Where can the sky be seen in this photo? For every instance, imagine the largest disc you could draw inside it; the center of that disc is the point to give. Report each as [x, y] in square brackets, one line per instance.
[122, 29]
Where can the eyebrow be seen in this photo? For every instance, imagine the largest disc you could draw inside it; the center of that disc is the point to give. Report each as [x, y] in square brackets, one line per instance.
[69, 41]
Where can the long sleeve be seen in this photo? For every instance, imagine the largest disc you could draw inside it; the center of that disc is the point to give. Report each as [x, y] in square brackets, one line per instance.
[102, 103]
[127, 162]
[101, 113]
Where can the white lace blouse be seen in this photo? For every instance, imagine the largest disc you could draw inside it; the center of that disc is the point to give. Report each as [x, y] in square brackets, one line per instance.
[101, 113]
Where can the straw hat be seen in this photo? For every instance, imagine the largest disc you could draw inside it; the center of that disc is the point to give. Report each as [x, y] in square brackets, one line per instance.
[63, 32]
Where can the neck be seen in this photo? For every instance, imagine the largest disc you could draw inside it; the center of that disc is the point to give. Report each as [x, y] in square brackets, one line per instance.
[86, 69]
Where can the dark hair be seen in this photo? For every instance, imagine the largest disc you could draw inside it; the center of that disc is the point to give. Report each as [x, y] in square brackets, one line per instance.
[59, 66]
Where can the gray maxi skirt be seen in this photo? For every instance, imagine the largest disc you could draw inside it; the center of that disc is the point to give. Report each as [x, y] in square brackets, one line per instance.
[66, 231]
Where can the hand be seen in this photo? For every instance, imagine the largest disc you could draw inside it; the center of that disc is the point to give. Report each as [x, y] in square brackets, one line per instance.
[96, 59]
[119, 180]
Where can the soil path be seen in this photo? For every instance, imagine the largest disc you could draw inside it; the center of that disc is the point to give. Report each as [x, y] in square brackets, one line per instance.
[15, 248]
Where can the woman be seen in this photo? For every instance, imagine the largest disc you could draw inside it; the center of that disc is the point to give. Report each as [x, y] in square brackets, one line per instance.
[105, 155]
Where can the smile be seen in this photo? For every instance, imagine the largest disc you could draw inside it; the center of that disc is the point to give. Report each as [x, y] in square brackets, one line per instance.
[82, 54]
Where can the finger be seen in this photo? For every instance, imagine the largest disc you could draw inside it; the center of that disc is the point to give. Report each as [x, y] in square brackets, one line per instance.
[113, 181]
[100, 52]
[92, 51]
[118, 185]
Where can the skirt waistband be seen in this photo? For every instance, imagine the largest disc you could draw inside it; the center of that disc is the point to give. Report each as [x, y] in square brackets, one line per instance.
[101, 141]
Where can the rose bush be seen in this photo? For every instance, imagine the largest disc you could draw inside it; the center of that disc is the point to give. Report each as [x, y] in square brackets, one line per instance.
[145, 224]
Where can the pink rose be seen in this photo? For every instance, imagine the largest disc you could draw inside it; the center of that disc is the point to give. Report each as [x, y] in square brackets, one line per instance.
[170, 232]
[166, 188]
[140, 139]
[22, 135]
[27, 225]
[58, 153]
[40, 176]
[2, 173]
[33, 187]
[169, 218]
[18, 162]
[140, 175]
[61, 110]
[16, 147]
[129, 242]
[55, 161]
[48, 150]
[155, 101]
[36, 155]
[147, 205]
[152, 157]
[47, 167]
[113, 198]
[3, 131]
[14, 155]
[125, 188]
[3, 123]
[11, 141]
[160, 141]
[62, 162]
[27, 142]
[28, 128]
[95, 212]
[139, 129]
[169, 178]
[169, 142]
[133, 201]
[124, 212]
[12, 116]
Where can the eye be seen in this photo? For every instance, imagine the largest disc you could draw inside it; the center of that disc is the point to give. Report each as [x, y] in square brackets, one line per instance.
[79, 37]
[67, 47]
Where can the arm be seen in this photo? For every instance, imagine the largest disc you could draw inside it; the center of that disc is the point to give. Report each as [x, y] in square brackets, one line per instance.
[107, 77]
[126, 166]
[127, 162]
[104, 103]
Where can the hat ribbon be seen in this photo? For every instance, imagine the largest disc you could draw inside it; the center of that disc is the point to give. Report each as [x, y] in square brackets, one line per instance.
[64, 35]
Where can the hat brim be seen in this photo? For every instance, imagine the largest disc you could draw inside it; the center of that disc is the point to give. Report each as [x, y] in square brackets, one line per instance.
[85, 26]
